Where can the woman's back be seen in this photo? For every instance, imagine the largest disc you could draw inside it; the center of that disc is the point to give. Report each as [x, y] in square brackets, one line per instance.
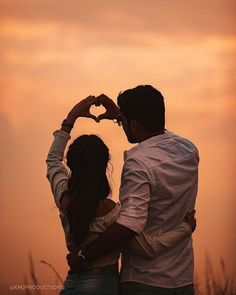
[106, 214]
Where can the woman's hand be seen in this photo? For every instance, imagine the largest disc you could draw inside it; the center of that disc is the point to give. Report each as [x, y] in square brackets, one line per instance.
[82, 109]
[191, 220]
[76, 261]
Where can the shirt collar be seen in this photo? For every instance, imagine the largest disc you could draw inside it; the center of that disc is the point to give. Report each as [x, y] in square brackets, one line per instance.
[157, 140]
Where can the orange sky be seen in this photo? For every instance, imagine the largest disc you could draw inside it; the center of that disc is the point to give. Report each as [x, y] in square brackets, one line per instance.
[54, 54]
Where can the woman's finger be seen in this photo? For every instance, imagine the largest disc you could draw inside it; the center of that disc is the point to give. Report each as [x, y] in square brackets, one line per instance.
[88, 115]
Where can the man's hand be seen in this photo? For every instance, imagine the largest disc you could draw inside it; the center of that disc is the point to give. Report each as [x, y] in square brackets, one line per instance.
[82, 109]
[191, 220]
[114, 238]
[112, 110]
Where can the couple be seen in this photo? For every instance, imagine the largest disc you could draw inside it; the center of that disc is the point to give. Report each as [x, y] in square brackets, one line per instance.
[152, 224]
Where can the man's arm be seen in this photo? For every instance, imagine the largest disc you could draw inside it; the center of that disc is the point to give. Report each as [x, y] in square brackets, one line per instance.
[115, 237]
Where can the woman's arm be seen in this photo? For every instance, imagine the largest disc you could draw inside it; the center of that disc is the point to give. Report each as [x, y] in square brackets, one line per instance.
[150, 246]
[57, 173]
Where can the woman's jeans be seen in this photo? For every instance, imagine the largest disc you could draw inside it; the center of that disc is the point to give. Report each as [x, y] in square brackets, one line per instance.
[100, 281]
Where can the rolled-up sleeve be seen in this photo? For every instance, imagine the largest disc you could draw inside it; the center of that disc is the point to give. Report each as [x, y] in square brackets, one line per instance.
[134, 195]
[57, 173]
[150, 246]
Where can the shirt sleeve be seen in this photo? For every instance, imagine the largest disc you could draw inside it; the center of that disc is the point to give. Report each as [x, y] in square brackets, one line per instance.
[150, 246]
[134, 195]
[57, 173]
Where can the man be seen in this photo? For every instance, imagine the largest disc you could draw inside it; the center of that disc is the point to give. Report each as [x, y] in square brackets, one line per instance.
[158, 187]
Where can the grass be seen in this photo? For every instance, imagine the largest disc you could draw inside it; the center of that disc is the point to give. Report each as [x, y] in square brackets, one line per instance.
[213, 285]
[34, 279]
[54, 270]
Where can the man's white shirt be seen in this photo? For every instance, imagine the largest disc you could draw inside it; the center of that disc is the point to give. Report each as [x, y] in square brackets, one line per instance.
[159, 185]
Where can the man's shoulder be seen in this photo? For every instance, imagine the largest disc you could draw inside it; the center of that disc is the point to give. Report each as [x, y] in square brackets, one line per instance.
[183, 140]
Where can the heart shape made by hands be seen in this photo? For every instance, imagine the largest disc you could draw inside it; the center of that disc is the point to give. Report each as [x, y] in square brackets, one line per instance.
[97, 110]
[101, 107]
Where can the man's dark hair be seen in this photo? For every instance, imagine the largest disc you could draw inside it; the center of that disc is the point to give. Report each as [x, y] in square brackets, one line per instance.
[144, 104]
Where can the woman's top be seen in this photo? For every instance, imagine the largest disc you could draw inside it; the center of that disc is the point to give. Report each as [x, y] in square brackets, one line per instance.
[143, 244]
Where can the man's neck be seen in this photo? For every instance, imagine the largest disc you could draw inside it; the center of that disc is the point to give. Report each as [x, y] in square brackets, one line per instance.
[149, 135]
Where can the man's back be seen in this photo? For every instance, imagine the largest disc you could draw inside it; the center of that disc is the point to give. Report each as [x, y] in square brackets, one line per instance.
[168, 168]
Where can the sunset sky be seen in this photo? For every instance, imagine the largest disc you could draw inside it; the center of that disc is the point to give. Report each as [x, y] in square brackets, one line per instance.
[55, 53]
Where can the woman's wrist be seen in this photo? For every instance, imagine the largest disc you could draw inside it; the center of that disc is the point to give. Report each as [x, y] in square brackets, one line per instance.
[68, 123]
[71, 119]
[66, 129]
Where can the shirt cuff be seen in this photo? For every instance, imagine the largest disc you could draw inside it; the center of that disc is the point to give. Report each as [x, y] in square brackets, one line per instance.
[130, 223]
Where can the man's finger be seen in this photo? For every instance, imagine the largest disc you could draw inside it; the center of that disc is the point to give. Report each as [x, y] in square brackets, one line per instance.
[90, 100]
[105, 100]
[101, 96]
[97, 103]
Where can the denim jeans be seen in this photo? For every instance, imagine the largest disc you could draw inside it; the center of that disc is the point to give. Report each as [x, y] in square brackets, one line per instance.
[101, 281]
[133, 288]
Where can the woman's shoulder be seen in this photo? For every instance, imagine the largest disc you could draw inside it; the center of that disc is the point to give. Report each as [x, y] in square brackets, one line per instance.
[104, 206]
[109, 213]
[103, 220]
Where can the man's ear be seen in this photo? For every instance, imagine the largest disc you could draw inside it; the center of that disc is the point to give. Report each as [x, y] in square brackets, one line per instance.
[133, 125]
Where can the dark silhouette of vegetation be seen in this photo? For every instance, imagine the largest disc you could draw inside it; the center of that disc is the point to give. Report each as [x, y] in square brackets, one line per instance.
[53, 269]
[34, 279]
[213, 285]
[223, 285]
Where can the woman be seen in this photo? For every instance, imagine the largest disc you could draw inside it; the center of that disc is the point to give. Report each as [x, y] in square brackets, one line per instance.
[82, 196]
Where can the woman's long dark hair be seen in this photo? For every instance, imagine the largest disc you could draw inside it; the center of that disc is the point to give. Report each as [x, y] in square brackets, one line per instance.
[87, 159]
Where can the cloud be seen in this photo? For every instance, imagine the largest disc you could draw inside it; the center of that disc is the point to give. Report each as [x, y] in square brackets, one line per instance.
[44, 32]
[54, 53]
[161, 17]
